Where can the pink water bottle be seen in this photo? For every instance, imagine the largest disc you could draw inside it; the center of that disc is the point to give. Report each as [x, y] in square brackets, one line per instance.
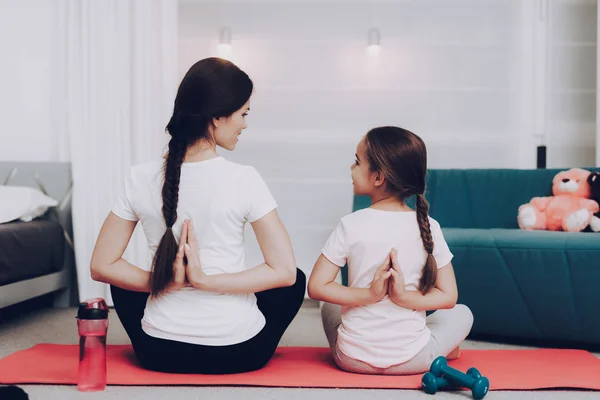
[92, 323]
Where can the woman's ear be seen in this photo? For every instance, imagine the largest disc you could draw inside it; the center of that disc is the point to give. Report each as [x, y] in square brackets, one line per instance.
[216, 122]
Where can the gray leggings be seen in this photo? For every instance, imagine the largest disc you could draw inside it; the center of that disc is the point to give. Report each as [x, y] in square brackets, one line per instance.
[448, 330]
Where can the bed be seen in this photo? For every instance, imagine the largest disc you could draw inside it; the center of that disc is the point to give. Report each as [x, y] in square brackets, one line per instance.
[36, 257]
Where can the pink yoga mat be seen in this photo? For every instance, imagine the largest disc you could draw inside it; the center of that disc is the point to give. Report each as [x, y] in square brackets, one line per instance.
[312, 367]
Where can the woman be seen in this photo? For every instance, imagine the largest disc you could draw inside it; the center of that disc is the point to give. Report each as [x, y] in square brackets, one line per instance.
[199, 310]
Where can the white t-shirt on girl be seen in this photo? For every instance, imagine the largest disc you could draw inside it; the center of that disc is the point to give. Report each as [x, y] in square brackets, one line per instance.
[220, 197]
[382, 334]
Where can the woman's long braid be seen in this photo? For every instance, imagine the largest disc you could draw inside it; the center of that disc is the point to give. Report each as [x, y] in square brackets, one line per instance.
[162, 272]
[172, 174]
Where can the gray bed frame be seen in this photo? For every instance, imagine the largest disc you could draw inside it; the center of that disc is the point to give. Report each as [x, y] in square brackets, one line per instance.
[54, 179]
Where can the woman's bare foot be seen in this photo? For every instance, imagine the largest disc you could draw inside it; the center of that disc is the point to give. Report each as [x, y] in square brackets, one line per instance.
[454, 354]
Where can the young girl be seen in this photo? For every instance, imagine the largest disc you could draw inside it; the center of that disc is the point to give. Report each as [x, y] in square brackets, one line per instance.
[398, 268]
[205, 313]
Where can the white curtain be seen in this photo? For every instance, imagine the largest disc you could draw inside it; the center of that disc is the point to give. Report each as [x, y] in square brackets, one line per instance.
[117, 67]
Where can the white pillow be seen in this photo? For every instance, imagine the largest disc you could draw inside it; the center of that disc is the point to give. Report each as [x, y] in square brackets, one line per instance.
[24, 203]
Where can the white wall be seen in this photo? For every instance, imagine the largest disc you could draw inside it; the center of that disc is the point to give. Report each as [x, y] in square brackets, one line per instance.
[597, 92]
[571, 123]
[26, 34]
[452, 72]
[447, 70]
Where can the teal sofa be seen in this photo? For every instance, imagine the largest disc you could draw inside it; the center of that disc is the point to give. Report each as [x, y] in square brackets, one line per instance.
[539, 286]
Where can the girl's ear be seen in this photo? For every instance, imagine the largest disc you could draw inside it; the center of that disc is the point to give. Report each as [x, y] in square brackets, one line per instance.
[379, 179]
[216, 122]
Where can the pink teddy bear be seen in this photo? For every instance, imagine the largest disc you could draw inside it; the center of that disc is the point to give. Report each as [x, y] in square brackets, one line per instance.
[570, 209]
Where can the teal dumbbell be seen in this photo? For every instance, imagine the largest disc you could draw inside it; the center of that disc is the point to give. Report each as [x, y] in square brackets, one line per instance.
[473, 380]
[431, 384]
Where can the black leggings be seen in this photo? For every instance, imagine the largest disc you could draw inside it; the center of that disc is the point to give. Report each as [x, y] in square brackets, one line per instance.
[279, 306]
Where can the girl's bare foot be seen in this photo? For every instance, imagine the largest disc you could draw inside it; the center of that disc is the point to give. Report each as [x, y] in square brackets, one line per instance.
[454, 354]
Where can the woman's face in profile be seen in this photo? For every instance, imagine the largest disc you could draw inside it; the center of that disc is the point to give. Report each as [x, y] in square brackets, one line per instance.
[228, 129]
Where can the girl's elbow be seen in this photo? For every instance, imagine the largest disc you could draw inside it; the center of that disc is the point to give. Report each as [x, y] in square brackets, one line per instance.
[452, 300]
[314, 291]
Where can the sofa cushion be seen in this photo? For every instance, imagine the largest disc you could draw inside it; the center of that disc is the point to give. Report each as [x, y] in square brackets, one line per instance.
[529, 284]
[519, 239]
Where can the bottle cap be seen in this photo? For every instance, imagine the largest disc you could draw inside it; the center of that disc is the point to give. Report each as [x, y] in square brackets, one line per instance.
[93, 309]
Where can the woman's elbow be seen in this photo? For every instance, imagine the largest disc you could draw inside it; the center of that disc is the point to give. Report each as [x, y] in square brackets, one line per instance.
[96, 272]
[289, 279]
[286, 276]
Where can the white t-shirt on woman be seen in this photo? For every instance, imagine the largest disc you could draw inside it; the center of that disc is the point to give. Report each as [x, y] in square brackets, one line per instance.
[382, 334]
[220, 197]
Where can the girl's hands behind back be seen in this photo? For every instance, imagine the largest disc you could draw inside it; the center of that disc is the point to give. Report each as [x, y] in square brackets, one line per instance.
[397, 284]
[379, 284]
